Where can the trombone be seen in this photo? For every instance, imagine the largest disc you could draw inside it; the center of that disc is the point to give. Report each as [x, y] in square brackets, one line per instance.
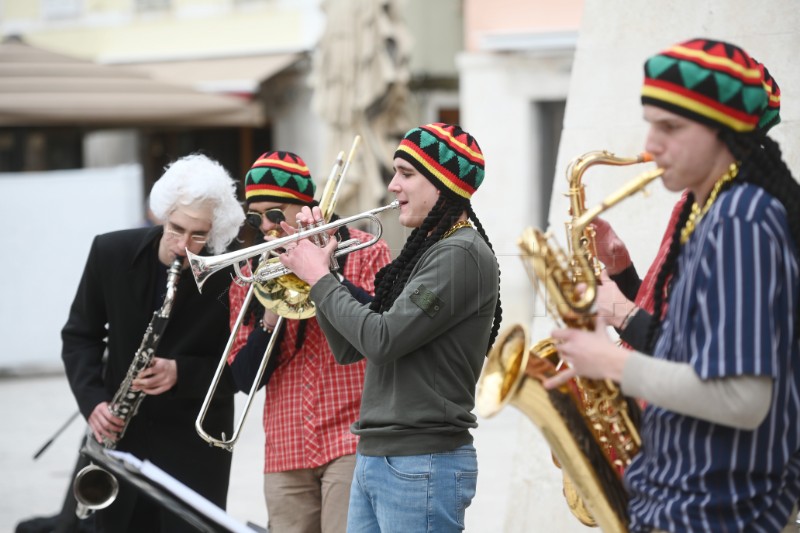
[225, 442]
[204, 267]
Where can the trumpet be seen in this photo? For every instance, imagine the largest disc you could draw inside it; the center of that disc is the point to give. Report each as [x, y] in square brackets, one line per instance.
[205, 266]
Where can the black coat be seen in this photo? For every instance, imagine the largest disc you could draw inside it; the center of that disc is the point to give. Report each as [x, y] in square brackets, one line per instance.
[112, 308]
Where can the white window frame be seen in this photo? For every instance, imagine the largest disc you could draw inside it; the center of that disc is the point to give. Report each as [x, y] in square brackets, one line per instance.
[61, 9]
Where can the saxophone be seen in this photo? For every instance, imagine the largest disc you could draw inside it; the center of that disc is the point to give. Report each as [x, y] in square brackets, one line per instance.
[589, 425]
[94, 487]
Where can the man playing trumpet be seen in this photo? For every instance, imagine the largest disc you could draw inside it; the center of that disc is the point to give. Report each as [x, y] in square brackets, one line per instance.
[425, 336]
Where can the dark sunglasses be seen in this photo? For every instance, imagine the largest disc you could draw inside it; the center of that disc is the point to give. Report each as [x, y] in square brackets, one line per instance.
[274, 215]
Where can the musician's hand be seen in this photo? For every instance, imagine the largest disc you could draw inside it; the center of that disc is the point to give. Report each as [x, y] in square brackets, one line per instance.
[305, 259]
[158, 378]
[308, 216]
[308, 261]
[611, 251]
[590, 354]
[611, 303]
[104, 424]
[270, 319]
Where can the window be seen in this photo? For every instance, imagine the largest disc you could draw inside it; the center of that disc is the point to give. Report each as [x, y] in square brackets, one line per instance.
[152, 5]
[550, 123]
[61, 9]
[30, 149]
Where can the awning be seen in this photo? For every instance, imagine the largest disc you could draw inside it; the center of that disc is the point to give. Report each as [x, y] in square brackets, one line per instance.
[236, 75]
[39, 87]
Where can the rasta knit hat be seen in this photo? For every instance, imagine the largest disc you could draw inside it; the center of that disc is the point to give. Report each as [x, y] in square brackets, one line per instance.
[279, 177]
[712, 82]
[772, 114]
[447, 155]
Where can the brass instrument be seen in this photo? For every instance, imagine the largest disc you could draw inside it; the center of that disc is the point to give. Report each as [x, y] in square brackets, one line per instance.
[288, 295]
[276, 287]
[205, 266]
[95, 487]
[587, 423]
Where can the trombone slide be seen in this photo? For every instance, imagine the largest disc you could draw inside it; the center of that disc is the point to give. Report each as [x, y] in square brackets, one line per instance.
[224, 442]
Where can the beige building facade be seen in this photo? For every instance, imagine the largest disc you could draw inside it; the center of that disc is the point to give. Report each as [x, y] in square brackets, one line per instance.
[255, 50]
[599, 75]
[537, 83]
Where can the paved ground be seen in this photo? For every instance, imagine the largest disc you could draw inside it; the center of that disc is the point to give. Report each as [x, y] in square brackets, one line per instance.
[34, 407]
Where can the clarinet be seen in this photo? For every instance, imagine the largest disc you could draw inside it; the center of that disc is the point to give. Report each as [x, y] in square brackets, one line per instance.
[126, 401]
[94, 487]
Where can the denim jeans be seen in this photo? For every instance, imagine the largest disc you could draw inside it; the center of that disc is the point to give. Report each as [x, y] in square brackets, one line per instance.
[413, 493]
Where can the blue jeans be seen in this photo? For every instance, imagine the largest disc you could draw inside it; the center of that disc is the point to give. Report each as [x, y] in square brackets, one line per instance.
[413, 493]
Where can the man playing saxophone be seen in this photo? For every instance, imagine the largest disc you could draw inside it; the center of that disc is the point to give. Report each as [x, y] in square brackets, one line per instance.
[123, 283]
[310, 401]
[627, 301]
[720, 440]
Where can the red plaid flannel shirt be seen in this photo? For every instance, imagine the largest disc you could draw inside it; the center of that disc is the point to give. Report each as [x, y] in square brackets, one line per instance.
[311, 400]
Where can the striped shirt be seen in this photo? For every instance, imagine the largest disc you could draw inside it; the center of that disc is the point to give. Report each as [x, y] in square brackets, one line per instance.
[311, 400]
[732, 312]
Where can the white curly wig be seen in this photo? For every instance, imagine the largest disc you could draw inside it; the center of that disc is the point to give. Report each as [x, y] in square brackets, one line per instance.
[197, 179]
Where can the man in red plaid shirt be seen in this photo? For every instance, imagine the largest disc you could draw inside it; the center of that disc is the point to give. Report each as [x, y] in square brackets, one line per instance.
[311, 400]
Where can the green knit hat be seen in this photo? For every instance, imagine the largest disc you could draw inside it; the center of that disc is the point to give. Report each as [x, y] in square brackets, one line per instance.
[279, 177]
[712, 82]
[447, 155]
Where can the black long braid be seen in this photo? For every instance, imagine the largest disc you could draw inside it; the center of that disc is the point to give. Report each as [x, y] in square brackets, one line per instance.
[392, 278]
[668, 271]
[498, 310]
[761, 164]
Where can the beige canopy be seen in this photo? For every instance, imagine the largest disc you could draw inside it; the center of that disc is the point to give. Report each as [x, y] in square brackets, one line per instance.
[39, 87]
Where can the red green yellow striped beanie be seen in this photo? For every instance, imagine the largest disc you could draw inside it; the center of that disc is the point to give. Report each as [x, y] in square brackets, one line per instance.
[447, 155]
[771, 114]
[279, 177]
[712, 82]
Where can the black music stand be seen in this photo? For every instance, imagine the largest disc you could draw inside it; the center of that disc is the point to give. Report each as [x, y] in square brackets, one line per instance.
[165, 489]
